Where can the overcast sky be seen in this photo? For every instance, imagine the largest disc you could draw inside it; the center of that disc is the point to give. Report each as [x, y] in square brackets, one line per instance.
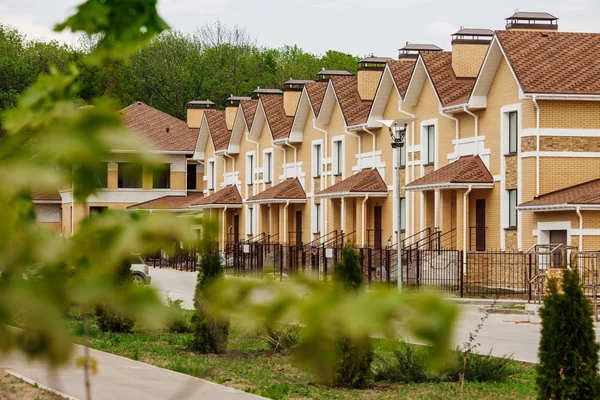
[359, 27]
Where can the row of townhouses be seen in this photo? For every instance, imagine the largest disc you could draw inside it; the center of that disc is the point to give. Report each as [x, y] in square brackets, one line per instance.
[502, 150]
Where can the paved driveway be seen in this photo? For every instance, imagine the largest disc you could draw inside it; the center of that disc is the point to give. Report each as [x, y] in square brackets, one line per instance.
[501, 333]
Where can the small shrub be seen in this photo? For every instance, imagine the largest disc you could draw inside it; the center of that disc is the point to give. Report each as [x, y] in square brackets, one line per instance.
[210, 334]
[109, 321]
[482, 368]
[277, 391]
[179, 321]
[568, 351]
[407, 366]
[281, 338]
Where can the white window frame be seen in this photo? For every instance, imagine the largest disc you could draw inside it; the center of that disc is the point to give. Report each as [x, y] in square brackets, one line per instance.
[425, 156]
[250, 167]
[508, 133]
[338, 155]
[250, 221]
[316, 218]
[268, 170]
[512, 207]
[317, 162]
[212, 174]
[505, 127]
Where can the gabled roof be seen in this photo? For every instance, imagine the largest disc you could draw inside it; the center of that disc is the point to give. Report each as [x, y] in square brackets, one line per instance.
[169, 202]
[466, 170]
[344, 89]
[162, 131]
[316, 92]
[396, 74]
[587, 193]
[401, 71]
[367, 181]
[242, 122]
[45, 196]
[553, 62]
[279, 123]
[249, 108]
[218, 129]
[228, 196]
[311, 98]
[288, 190]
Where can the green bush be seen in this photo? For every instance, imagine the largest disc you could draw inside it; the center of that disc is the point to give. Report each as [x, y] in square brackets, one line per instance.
[482, 368]
[179, 321]
[283, 337]
[114, 321]
[347, 273]
[407, 366]
[568, 351]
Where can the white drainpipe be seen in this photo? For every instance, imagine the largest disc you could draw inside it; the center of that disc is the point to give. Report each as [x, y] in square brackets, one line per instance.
[255, 163]
[359, 147]
[457, 152]
[465, 228]
[412, 195]
[284, 157]
[285, 218]
[295, 158]
[537, 146]
[364, 220]
[224, 225]
[373, 135]
[578, 211]
[476, 128]
[323, 179]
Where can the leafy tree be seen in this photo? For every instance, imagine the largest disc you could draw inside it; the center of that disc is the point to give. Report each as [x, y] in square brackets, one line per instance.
[210, 332]
[568, 351]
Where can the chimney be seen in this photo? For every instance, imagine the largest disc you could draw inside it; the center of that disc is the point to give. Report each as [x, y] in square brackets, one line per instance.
[292, 90]
[231, 108]
[325, 74]
[468, 51]
[370, 70]
[411, 50]
[532, 21]
[195, 112]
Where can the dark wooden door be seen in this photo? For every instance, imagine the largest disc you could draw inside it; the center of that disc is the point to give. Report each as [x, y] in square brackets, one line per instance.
[377, 225]
[236, 228]
[558, 237]
[298, 229]
[480, 224]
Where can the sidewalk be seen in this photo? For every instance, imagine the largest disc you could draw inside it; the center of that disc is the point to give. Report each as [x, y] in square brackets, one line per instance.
[120, 378]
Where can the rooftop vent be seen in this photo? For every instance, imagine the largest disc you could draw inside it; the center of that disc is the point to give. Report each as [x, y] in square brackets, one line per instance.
[325, 74]
[295, 84]
[373, 62]
[197, 104]
[412, 50]
[472, 36]
[258, 92]
[234, 101]
[532, 21]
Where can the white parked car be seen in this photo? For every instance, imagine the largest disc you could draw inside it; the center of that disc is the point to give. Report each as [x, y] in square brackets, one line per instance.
[140, 272]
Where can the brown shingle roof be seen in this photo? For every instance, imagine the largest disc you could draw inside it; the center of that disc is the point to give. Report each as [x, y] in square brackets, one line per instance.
[401, 72]
[316, 92]
[218, 129]
[249, 109]
[558, 62]
[450, 89]
[584, 193]
[279, 123]
[229, 195]
[290, 189]
[467, 169]
[366, 181]
[354, 109]
[45, 195]
[151, 124]
[169, 202]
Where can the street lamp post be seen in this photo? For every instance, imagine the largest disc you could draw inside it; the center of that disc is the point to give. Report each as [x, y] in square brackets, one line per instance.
[398, 133]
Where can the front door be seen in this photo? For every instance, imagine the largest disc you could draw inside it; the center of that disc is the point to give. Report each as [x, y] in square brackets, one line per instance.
[377, 226]
[299, 229]
[480, 224]
[558, 237]
[236, 228]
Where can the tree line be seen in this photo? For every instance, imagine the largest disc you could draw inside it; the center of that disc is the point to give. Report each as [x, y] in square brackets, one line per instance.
[214, 62]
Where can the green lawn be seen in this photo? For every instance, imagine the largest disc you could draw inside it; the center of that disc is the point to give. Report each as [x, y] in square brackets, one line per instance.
[249, 366]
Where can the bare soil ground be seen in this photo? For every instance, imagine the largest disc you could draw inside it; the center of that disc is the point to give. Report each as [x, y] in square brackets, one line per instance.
[12, 388]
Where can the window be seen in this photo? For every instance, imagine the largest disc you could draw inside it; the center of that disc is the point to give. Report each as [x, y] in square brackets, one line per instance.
[512, 132]
[101, 173]
[130, 176]
[250, 221]
[212, 174]
[161, 177]
[512, 208]
[338, 154]
[268, 167]
[403, 213]
[191, 176]
[250, 169]
[430, 144]
[316, 218]
[95, 210]
[316, 161]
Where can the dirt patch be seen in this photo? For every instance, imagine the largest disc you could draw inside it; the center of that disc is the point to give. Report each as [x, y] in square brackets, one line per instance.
[12, 388]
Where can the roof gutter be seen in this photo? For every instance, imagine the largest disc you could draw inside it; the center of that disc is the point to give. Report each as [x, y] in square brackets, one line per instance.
[568, 97]
[558, 207]
[350, 194]
[448, 185]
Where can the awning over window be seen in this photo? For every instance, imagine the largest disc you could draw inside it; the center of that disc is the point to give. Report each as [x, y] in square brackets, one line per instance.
[366, 182]
[169, 202]
[229, 197]
[289, 190]
[464, 172]
[584, 196]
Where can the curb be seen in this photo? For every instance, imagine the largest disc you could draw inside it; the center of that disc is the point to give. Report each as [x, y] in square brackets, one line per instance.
[39, 385]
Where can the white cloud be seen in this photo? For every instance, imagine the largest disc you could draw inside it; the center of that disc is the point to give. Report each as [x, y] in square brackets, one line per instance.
[27, 25]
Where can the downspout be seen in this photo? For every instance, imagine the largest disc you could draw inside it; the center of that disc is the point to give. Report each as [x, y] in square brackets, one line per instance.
[285, 218]
[406, 181]
[578, 211]
[323, 186]
[256, 163]
[284, 157]
[359, 147]
[457, 152]
[537, 145]
[295, 158]
[364, 219]
[465, 228]
[224, 225]
[232, 162]
[373, 135]
[476, 128]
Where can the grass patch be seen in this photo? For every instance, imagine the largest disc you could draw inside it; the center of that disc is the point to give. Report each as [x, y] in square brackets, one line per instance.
[511, 307]
[251, 365]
